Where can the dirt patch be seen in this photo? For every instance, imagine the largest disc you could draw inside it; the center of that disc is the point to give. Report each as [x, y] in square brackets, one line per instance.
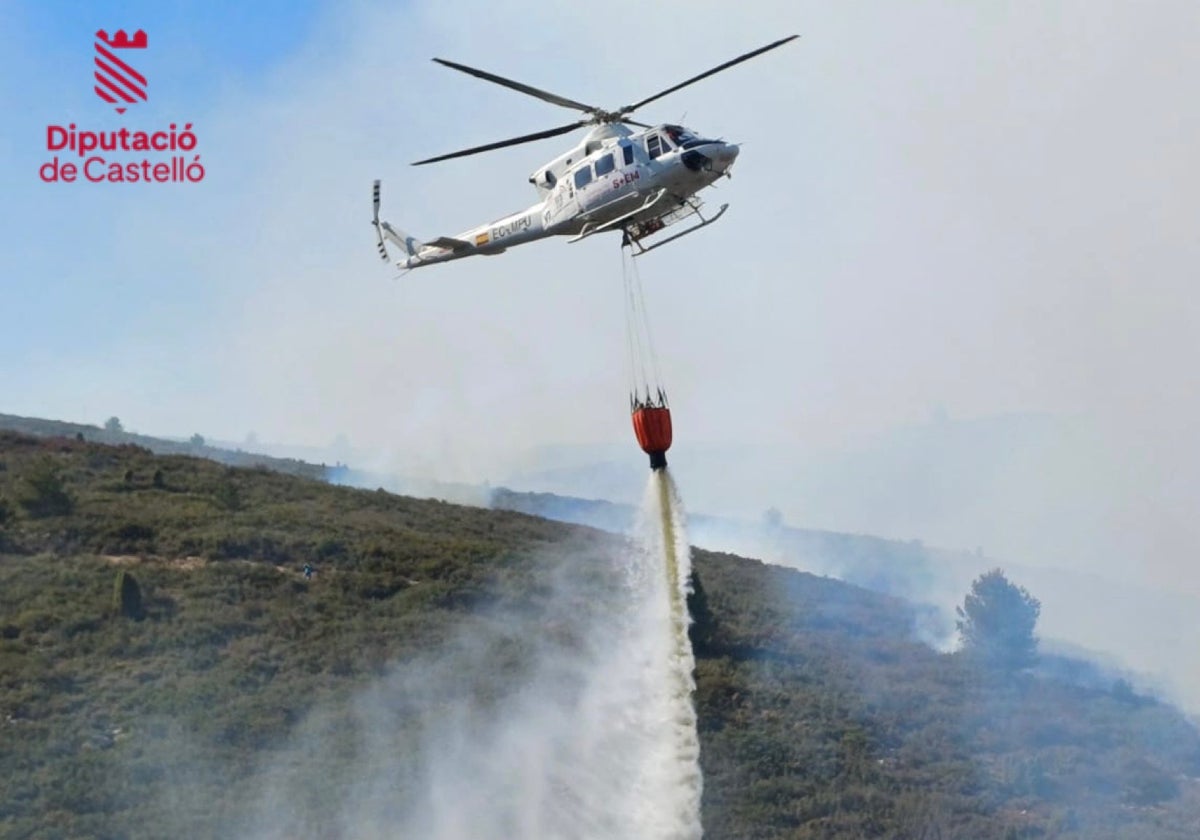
[185, 564]
[121, 559]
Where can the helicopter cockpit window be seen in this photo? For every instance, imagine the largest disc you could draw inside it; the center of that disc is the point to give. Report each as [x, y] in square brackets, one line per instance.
[679, 135]
[654, 146]
[604, 165]
[683, 138]
[582, 176]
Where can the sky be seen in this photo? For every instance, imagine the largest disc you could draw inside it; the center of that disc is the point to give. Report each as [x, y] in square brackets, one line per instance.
[952, 299]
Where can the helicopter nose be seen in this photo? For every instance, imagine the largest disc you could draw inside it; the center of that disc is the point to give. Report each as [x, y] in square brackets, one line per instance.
[726, 155]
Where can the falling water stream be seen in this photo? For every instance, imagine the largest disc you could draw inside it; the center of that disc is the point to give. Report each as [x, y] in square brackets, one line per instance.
[661, 532]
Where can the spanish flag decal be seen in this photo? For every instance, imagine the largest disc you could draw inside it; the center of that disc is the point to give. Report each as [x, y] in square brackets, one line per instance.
[481, 239]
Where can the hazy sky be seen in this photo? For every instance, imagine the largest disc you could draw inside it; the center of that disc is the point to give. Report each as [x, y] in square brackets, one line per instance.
[941, 209]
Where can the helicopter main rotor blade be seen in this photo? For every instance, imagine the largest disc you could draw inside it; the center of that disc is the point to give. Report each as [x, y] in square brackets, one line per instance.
[525, 138]
[629, 109]
[543, 95]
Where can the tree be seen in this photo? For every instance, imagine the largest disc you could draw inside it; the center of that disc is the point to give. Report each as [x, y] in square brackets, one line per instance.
[113, 424]
[127, 596]
[5, 515]
[197, 440]
[996, 621]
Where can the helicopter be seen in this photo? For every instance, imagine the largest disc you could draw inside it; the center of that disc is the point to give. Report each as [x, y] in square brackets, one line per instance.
[616, 178]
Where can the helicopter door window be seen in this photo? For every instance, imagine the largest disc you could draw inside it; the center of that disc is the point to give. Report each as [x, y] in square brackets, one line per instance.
[583, 175]
[604, 165]
[627, 149]
[654, 146]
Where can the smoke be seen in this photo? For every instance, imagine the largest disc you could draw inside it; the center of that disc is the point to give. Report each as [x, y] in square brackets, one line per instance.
[1134, 632]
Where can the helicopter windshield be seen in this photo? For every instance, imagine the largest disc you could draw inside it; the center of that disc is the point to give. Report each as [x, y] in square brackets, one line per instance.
[678, 134]
[684, 139]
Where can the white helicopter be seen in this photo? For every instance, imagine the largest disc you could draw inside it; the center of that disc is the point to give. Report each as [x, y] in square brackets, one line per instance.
[638, 182]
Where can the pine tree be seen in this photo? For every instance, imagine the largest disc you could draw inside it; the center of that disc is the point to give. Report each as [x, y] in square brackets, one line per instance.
[996, 622]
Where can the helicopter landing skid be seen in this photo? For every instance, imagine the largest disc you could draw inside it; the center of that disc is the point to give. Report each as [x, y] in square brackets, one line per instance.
[650, 201]
[636, 243]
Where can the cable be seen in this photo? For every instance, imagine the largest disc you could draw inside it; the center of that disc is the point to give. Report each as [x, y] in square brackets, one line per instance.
[645, 324]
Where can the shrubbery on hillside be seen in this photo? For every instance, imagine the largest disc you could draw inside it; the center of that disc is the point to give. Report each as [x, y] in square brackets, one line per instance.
[819, 715]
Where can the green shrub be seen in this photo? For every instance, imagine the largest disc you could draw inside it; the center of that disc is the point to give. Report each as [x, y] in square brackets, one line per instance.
[227, 496]
[127, 596]
[44, 493]
[1148, 784]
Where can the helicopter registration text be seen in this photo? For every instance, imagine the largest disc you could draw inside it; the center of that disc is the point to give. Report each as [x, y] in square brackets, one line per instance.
[509, 228]
[627, 178]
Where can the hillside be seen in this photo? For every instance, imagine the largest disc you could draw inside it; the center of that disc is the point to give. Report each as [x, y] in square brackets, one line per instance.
[239, 695]
[39, 427]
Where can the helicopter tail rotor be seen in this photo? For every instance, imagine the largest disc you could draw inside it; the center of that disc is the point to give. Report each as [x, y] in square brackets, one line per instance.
[383, 254]
[384, 232]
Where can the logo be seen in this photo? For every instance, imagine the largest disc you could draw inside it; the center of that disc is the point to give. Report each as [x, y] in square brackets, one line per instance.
[129, 155]
[117, 83]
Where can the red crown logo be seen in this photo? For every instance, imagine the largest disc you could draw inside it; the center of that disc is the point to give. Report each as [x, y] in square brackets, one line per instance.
[117, 83]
